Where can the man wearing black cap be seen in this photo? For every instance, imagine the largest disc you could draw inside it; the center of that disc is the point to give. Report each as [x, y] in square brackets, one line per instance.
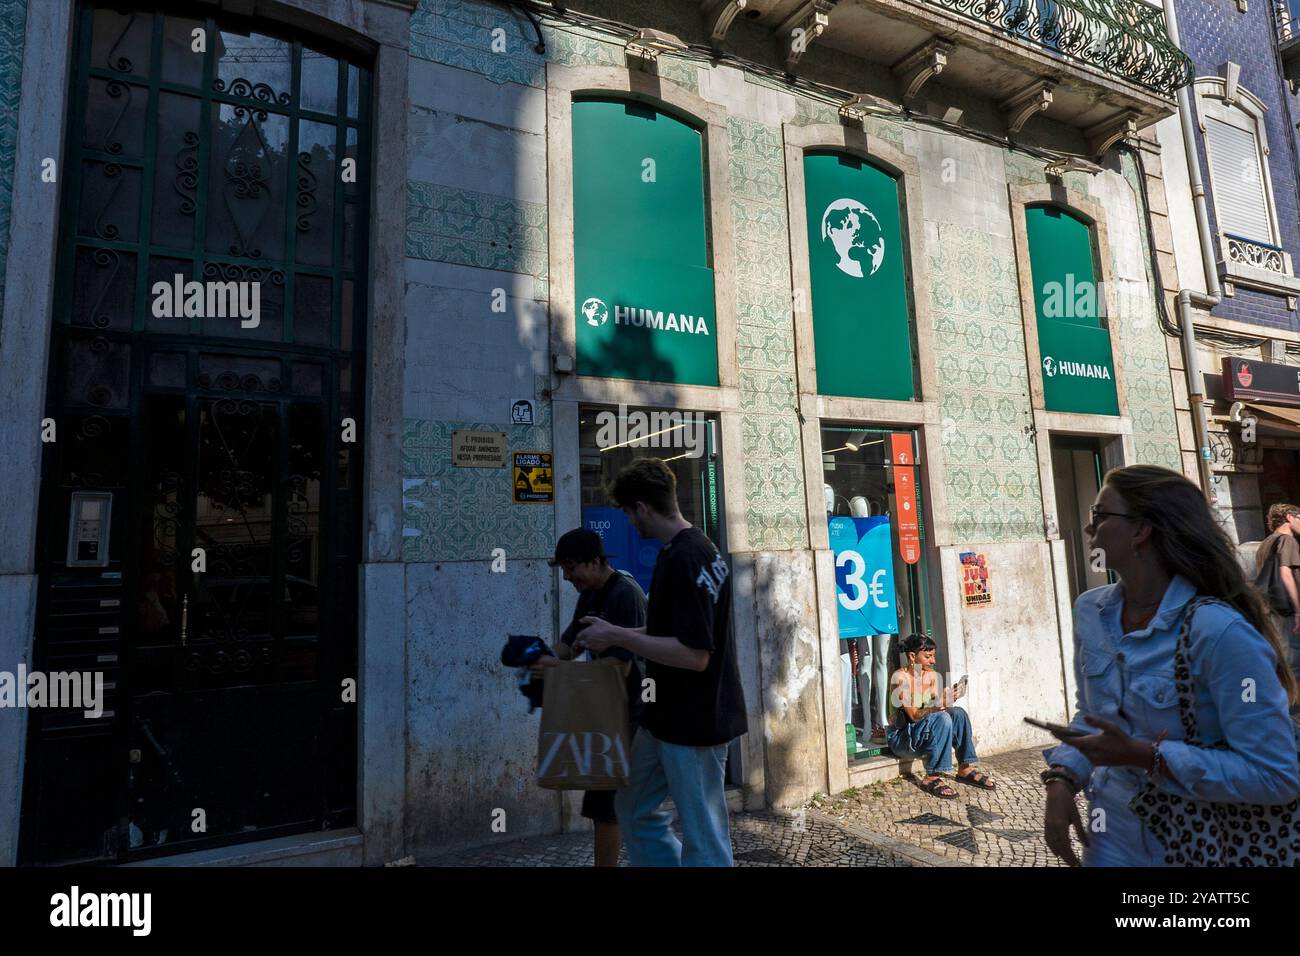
[697, 706]
[612, 596]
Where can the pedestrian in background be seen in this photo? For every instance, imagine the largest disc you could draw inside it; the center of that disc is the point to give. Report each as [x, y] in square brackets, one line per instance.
[1277, 564]
[613, 596]
[697, 706]
[1158, 535]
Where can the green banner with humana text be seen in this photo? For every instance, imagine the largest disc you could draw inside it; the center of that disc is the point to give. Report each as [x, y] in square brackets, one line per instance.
[1073, 340]
[643, 276]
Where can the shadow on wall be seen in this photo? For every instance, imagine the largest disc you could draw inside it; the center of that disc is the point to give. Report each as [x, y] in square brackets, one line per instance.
[648, 363]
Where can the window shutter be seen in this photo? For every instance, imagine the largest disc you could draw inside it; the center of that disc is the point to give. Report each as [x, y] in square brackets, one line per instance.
[1236, 177]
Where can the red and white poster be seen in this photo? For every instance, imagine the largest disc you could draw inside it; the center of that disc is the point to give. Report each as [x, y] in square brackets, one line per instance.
[909, 522]
[975, 579]
[909, 527]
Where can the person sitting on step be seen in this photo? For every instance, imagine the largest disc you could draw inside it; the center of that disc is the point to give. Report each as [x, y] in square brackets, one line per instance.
[927, 724]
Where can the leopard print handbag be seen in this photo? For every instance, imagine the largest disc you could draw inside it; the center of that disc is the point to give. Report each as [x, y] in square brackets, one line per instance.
[1204, 833]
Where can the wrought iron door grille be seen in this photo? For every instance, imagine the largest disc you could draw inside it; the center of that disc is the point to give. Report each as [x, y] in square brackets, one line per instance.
[232, 163]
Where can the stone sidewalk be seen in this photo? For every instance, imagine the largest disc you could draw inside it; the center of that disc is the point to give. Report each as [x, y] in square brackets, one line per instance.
[887, 824]
[1002, 827]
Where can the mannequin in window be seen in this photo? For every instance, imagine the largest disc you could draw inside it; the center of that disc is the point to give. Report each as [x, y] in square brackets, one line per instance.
[873, 657]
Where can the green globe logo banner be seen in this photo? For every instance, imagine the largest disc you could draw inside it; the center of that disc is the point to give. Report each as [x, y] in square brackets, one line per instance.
[861, 305]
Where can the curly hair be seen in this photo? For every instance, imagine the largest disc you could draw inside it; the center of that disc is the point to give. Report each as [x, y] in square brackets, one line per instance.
[649, 480]
[1189, 541]
[1277, 514]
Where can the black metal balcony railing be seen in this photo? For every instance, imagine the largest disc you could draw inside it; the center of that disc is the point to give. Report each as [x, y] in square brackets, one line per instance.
[1126, 38]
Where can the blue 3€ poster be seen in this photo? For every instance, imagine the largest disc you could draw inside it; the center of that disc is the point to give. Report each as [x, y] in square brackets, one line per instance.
[864, 575]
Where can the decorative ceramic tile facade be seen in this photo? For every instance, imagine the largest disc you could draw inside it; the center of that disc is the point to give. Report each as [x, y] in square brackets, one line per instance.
[774, 490]
[463, 35]
[992, 466]
[462, 514]
[13, 21]
[475, 229]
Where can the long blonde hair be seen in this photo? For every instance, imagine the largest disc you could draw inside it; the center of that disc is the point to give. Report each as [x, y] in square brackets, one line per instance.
[1189, 541]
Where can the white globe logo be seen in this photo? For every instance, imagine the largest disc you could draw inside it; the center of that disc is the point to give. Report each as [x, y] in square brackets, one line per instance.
[850, 225]
[595, 311]
[1049, 366]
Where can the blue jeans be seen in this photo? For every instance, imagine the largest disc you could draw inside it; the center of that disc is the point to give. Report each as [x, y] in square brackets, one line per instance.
[933, 738]
[695, 778]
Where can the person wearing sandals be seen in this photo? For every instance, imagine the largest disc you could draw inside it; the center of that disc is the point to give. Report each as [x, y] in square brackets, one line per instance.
[1182, 693]
[928, 724]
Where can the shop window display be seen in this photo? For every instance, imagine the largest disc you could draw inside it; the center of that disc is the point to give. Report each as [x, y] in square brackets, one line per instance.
[875, 515]
[610, 438]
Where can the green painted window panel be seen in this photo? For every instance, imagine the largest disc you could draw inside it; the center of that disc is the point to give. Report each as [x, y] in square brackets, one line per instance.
[642, 262]
[862, 312]
[1073, 344]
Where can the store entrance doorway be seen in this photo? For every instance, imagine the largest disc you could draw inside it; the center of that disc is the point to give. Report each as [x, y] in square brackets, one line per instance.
[1077, 474]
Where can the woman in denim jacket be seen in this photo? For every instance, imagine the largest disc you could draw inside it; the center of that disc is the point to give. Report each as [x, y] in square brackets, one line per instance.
[1157, 534]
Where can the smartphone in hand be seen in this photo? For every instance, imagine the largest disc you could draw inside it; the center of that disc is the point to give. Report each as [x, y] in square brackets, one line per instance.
[1059, 731]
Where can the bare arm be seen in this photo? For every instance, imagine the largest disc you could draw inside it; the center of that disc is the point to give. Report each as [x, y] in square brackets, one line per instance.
[668, 651]
[904, 697]
[1288, 582]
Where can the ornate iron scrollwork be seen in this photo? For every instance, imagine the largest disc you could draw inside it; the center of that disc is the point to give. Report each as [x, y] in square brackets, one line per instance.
[1123, 37]
[121, 64]
[115, 88]
[186, 181]
[102, 258]
[1256, 254]
[306, 192]
[253, 91]
[248, 174]
[107, 230]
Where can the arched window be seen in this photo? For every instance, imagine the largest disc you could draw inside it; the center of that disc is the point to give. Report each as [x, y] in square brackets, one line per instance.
[1070, 302]
[858, 267]
[643, 271]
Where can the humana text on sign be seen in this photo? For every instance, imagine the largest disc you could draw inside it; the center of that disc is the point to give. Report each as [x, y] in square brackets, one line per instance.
[656, 319]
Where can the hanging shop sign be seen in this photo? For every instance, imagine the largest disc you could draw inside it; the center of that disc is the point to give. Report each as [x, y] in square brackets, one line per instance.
[534, 477]
[1246, 380]
[864, 576]
[909, 524]
[975, 579]
[644, 289]
[857, 265]
[478, 449]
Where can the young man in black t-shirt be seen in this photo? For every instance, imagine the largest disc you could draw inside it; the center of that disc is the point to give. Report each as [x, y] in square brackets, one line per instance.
[615, 597]
[695, 706]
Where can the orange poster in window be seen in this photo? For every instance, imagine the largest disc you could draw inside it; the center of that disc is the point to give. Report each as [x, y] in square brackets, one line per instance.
[909, 525]
[900, 449]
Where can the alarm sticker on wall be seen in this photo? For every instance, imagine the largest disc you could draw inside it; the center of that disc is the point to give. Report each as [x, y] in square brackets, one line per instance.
[534, 477]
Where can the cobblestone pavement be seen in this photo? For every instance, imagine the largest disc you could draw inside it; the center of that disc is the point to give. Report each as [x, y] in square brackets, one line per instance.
[1002, 827]
[894, 823]
[758, 839]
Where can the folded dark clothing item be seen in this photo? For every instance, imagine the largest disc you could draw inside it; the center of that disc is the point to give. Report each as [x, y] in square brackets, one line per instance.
[523, 650]
[533, 690]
